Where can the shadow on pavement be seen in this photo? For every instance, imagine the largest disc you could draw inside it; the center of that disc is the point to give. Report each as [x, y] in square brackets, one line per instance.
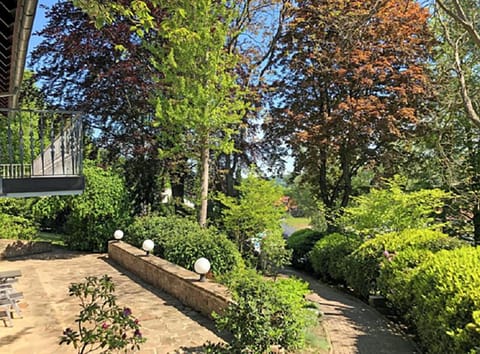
[57, 252]
[369, 329]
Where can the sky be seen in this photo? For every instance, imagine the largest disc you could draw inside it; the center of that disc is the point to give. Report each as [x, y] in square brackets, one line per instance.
[38, 24]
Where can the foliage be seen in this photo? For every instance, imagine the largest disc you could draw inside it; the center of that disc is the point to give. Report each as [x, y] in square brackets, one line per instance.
[329, 256]
[90, 218]
[394, 280]
[365, 262]
[159, 229]
[106, 74]
[220, 251]
[182, 241]
[350, 80]
[301, 242]
[16, 219]
[265, 313]
[98, 212]
[274, 255]
[446, 294]
[16, 228]
[392, 209]
[257, 209]
[102, 324]
[200, 95]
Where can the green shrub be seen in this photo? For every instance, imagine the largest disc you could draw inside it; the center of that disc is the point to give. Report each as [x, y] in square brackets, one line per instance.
[265, 313]
[364, 263]
[274, 255]
[446, 294]
[94, 215]
[394, 280]
[16, 228]
[217, 248]
[301, 242]
[182, 241]
[257, 209]
[329, 255]
[159, 229]
[393, 209]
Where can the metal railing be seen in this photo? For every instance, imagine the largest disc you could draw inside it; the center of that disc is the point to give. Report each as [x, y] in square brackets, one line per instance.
[36, 143]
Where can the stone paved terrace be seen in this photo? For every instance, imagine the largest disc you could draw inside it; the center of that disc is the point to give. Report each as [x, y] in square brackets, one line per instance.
[47, 309]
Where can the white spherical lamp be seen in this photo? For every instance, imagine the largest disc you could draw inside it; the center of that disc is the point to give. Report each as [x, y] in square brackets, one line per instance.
[202, 266]
[118, 235]
[147, 246]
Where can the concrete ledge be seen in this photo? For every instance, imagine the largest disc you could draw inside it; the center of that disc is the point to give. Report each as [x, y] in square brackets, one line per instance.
[18, 248]
[179, 282]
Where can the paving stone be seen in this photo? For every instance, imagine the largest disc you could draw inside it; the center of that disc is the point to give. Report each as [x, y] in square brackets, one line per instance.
[48, 309]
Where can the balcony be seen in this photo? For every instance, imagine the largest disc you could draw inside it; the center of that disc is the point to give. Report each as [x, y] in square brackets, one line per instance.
[40, 153]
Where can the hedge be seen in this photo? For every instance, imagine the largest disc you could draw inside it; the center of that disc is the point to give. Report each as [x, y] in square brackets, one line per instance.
[364, 263]
[329, 255]
[182, 241]
[301, 242]
[446, 298]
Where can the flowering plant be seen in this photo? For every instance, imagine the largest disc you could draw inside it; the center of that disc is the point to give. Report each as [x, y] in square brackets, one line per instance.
[102, 324]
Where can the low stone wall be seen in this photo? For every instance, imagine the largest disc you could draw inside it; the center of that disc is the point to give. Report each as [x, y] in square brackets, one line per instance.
[18, 248]
[181, 283]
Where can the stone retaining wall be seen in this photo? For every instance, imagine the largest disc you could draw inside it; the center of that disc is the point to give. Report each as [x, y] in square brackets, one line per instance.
[181, 283]
[18, 248]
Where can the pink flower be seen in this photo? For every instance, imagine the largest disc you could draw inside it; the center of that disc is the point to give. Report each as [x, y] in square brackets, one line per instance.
[105, 325]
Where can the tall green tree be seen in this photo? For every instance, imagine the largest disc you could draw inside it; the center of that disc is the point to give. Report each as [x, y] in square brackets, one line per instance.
[200, 93]
[200, 97]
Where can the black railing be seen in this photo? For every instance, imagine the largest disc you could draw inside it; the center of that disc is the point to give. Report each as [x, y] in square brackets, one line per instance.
[40, 143]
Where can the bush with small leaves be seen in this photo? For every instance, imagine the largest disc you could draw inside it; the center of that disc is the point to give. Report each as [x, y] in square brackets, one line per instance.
[301, 242]
[160, 229]
[274, 255]
[16, 228]
[446, 294]
[394, 280]
[220, 251]
[328, 256]
[264, 313]
[364, 263]
[102, 324]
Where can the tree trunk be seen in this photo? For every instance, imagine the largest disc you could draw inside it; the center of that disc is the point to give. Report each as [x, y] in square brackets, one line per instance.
[205, 159]
[476, 225]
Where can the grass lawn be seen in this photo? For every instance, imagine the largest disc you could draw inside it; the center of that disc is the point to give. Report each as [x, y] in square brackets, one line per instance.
[55, 239]
[316, 341]
[297, 223]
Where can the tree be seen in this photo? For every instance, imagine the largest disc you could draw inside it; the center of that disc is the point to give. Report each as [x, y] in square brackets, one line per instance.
[257, 209]
[350, 81]
[199, 93]
[457, 21]
[107, 75]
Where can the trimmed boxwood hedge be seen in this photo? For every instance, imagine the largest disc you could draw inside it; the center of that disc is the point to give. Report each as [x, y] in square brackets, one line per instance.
[364, 263]
[445, 305]
[329, 254]
[182, 241]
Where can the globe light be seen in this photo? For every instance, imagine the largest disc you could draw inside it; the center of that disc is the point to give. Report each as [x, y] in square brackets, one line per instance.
[118, 235]
[147, 246]
[202, 266]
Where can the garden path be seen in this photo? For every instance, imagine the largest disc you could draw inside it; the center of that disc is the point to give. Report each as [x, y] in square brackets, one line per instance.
[352, 326]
